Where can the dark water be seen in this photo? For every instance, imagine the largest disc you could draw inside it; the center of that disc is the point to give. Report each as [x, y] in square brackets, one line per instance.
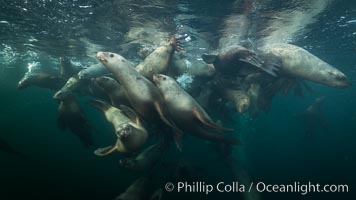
[57, 166]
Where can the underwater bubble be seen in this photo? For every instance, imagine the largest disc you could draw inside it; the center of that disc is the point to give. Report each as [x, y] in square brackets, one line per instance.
[185, 80]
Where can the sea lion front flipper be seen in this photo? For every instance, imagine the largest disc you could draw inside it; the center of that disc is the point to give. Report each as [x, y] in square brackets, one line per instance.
[130, 113]
[209, 58]
[208, 122]
[105, 150]
[61, 123]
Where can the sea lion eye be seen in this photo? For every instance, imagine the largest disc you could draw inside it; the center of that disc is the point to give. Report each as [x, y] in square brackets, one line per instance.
[111, 55]
[164, 78]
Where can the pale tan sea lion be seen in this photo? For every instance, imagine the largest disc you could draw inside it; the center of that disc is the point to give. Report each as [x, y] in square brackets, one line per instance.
[159, 60]
[131, 135]
[187, 113]
[298, 62]
[142, 94]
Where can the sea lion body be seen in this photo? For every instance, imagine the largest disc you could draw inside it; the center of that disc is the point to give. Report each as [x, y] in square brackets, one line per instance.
[298, 62]
[93, 71]
[71, 116]
[187, 113]
[158, 61]
[42, 79]
[131, 135]
[113, 89]
[72, 84]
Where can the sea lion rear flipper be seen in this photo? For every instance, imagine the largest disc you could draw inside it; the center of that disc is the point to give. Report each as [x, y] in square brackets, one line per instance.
[101, 105]
[130, 114]
[208, 122]
[209, 58]
[105, 150]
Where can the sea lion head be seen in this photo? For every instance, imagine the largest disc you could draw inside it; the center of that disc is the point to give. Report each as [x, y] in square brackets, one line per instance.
[243, 104]
[110, 59]
[163, 82]
[337, 79]
[104, 82]
[62, 95]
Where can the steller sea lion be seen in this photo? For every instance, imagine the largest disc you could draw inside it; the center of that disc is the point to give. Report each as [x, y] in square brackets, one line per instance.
[235, 57]
[142, 94]
[41, 79]
[71, 116]
[113, 89]
[131, 135]
[159, 60]
[298, 62]
[187, 113]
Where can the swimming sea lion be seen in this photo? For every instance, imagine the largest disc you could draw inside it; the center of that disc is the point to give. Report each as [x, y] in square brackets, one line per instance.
[113, 89]
[298, 62]
[187, 113]
[71, 116]
[41, 79]
[142, 94]
[158, 61]
[131, 135]
[144, 161]
[235, 57]
[239, 98]
[93, 71]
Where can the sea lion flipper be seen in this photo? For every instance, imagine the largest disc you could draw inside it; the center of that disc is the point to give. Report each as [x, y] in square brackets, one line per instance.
[209, 58]
[105, 150]
[130, 114]
[208, 122]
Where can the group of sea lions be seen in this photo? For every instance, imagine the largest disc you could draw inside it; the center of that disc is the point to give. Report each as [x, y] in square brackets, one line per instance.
[146, 100]
[149, 109]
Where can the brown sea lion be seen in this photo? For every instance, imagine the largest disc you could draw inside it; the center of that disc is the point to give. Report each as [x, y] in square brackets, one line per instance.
[298, 62]
[158, 61]
[71, 116]
[187, 113]
[131, 135]
[142, 94]
[113, 89]
[72, 84]
[41, 79]
[233, 58]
